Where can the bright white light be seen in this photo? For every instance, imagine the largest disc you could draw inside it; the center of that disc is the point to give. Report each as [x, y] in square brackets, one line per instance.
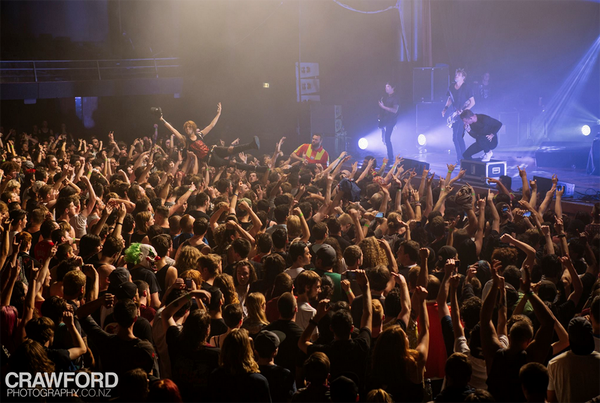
[363, 143]
[586, 130]
[422, 140]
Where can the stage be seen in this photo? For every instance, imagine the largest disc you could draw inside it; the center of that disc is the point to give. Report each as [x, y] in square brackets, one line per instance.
[586, 191]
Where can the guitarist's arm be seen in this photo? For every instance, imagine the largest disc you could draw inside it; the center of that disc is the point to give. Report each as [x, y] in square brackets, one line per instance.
[469, 104]
[448, 103]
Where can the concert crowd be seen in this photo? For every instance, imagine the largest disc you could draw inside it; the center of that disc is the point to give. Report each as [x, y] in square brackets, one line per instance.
[200, 271]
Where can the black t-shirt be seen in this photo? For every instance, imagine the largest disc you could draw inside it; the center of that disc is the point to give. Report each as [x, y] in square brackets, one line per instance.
[281, 382]
[191, 370]
[141, 273]
[217, 327]
[289, 353]
[503, 380]
[347, 356]
[118, 355]
[197, 214]
[226, 387]
[357, 308]
[485, 125]
[389, 118]
[460, 96]
[60, 358]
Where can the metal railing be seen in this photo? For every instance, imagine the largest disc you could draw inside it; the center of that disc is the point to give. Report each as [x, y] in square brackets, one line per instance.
[35, 71]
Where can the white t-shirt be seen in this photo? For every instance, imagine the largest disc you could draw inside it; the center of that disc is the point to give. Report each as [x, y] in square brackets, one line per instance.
[479, 375]
[305, 313]
[574, 378]
[79, 224]
[293, 273]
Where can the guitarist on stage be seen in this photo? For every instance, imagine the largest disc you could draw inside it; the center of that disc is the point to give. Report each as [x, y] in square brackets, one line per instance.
[388, 115]
[461, 97]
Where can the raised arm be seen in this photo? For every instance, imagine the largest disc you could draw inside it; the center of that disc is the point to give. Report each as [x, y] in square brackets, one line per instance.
[423, 338]
[79, 348]
[423, 278]
[212, 124]
[404, 297]
[525, 182]
[489, 339]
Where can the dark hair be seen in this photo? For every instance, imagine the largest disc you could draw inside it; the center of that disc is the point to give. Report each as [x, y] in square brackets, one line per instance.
[297, 249]
[242, 247]
[161, 244]
[459, 369]
[232, 315]
[534, 378]
[281, 213]
[89, 244]
[342, 324]
[264, 242]
[286, 304]
[319, 231]
[316, 368]
[195, 330]
[125, 312]
[112, 246]
[279, 237]
[200, 226]
[379, 277]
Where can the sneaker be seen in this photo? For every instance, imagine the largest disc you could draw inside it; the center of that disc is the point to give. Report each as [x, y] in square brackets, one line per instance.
[487, 156]
[256, 144]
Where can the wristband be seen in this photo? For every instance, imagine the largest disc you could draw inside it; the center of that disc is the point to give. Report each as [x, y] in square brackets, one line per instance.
[417, 204]
[561, 236]
[236, 194]
[313, 322]
[301, 214]
[366, 225]
[529, 293]
[450, 172]
[119, 223]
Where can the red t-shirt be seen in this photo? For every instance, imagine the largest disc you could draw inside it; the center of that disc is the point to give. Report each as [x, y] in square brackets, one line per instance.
[318, 156]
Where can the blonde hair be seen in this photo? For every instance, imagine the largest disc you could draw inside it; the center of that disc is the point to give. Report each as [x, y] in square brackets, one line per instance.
[187, 259]
[236, 355]
[294, 226]
[141, 221]
[225, 283]
[373, 254]
[378, 314]
[254, 303]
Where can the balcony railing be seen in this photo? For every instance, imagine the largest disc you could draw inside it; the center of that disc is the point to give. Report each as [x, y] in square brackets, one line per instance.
[37, 71]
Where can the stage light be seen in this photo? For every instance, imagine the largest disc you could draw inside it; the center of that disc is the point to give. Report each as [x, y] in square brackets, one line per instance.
[422, 140]
[363, 143]
[586, 130]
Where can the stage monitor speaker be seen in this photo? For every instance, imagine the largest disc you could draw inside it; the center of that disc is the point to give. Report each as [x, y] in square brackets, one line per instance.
[545, 184]
[562, 155]
[430, 84]
[419, 166]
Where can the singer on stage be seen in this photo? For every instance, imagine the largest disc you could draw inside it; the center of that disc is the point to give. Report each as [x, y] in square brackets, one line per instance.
[387, 117]
[461, 97]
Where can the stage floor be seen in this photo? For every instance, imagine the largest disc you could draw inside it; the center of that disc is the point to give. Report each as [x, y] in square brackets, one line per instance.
[587, 187]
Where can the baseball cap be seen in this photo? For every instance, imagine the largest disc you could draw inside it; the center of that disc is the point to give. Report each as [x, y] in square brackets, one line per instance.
[327, 255]
[266, 342]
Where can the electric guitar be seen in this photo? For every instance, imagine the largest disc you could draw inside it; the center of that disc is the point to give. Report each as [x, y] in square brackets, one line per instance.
[455, 115]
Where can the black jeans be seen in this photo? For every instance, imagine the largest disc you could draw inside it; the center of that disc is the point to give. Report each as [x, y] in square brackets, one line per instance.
[386, 134]
[481, 144]
[216, 158]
